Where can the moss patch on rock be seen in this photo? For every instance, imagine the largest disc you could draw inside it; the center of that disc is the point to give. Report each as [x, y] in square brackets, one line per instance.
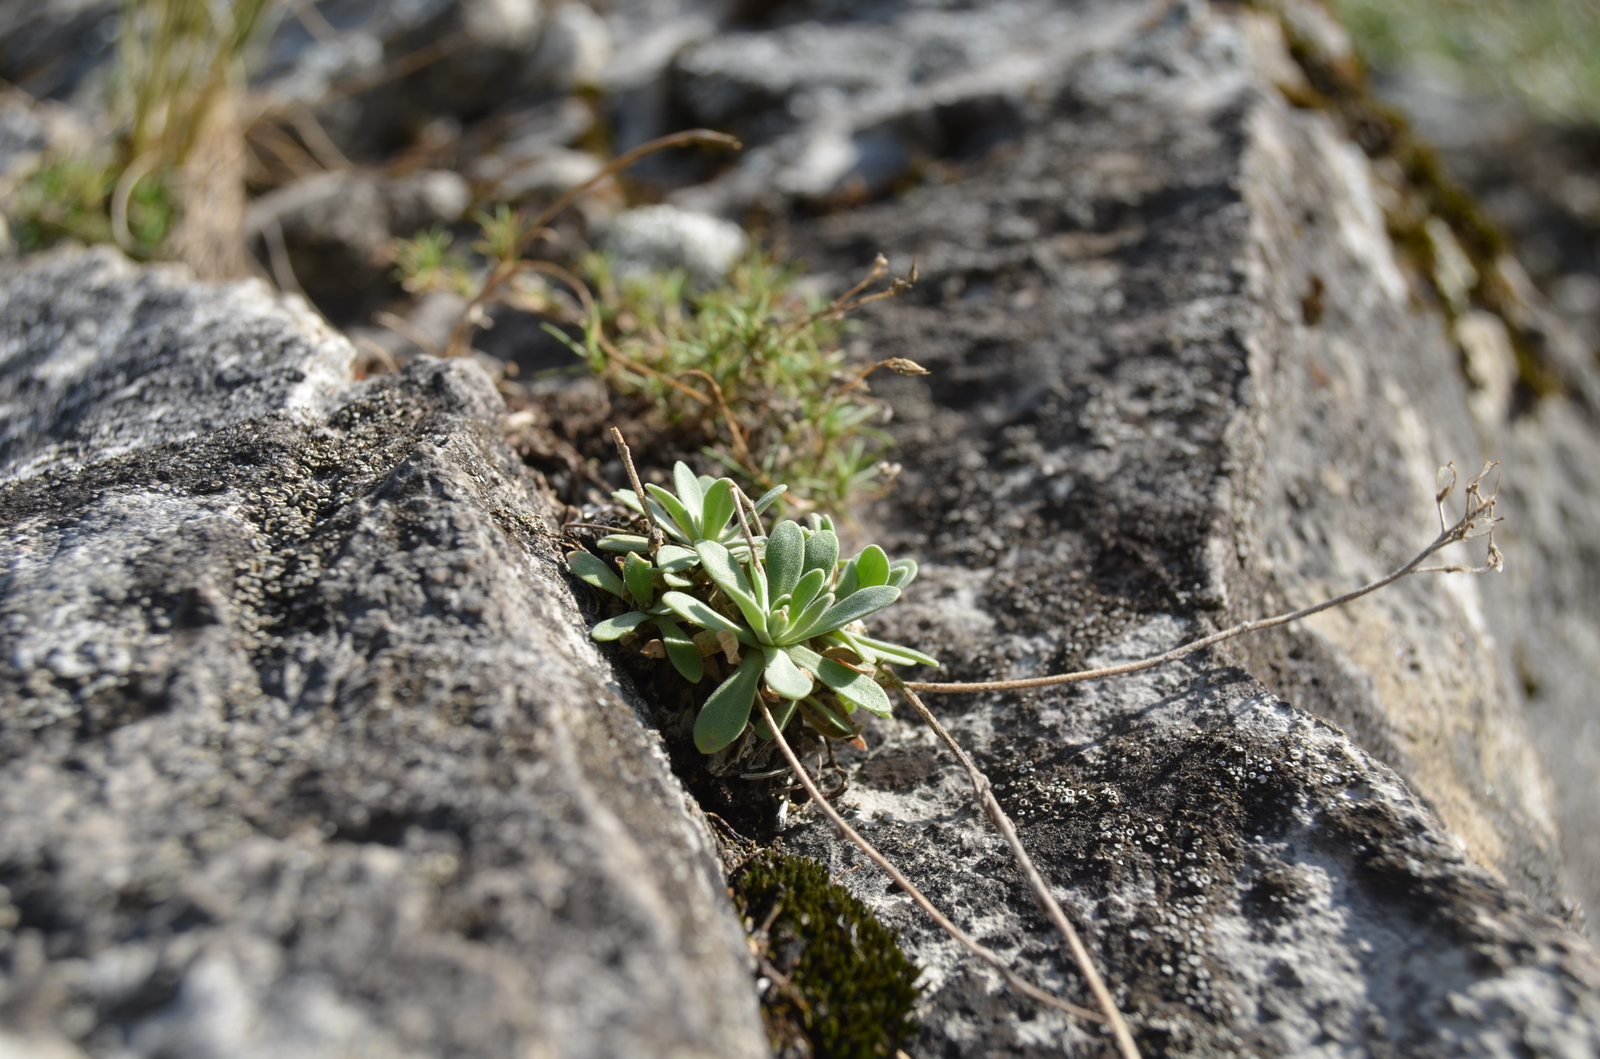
[838, 985]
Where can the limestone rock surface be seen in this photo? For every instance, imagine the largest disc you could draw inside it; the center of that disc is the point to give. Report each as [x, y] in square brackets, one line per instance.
[1181, 377]
[305, 750]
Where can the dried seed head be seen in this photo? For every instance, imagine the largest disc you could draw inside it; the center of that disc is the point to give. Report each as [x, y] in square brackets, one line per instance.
[1444, 482]
[902, 366]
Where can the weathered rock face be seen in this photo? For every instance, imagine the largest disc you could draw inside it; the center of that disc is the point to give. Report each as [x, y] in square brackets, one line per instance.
[1180, 379]
[305, 749]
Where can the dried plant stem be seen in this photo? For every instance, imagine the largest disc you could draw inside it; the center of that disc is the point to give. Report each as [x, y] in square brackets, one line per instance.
[1479, 514]
[657, 538]
[967, 941]
[1041, 889]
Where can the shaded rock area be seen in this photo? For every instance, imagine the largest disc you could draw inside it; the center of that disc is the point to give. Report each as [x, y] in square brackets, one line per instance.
[305, 749]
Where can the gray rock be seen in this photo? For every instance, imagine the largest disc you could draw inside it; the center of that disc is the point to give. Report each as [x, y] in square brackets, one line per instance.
[305, 748]
[665, 237]
[1137, 429]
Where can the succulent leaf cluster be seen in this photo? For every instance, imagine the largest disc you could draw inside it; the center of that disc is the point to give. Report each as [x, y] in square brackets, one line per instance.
[787, 616]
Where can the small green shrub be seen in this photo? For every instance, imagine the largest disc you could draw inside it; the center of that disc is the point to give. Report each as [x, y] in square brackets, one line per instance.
[756, 363]
[783, 610]
[845, 985]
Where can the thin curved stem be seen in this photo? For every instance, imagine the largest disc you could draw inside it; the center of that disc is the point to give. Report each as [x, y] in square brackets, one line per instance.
[988, 956]
[1036, 882]
[1479, 513]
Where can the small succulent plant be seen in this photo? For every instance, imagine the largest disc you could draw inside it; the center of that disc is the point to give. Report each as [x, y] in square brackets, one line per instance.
[783, 610]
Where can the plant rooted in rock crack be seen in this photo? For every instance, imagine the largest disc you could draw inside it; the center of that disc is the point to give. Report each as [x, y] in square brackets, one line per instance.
[782, 610]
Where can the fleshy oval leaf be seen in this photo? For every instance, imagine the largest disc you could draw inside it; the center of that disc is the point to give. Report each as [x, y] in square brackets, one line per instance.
[639, 575]
[695, 612]
[854, 607]
[854, 689]
[766, 500]
[679, 522]
[691, 493]
[717, 509]
[674, 559]
[593, 570]
[729, 576]
[804, 592]
[897, 653]
[618, 627]
[783, 676]
[902, 572]
[681, 650]
[727, 711]
[872, 567]
[822, 551]
[786, 556]
[624, 542]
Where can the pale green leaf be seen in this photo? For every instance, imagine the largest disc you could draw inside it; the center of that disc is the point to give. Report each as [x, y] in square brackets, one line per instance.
[620, 626]
[727, 711]
[893, 652]
[769, 496]
[687, 526]
[694, 611]
[806, 591]
[783, 676]
[690, 492]
[729, 576]
[593, 570]
[718, 509]
[786, 555]
[681, 650]
[872, 567]
[781, 713]
[902, 572]
[624, 542]
[826, 720]
[673, 559]
[858, 605]
[639, 575]
[822, 551]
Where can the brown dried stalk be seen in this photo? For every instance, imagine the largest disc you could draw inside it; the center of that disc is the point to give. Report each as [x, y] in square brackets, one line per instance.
[1478, 520]
[988, 956]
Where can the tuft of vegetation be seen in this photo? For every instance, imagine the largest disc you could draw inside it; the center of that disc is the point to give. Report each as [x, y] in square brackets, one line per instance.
[778, 615]
[1545, 53]
[172, 183]
[753, 364]
[836, 975]
[750, 364]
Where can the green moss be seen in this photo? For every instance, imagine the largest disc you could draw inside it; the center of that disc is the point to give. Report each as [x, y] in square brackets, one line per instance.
[1339, 86]
[846, 989]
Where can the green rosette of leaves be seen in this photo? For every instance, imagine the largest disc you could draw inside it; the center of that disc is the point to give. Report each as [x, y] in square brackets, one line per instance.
[794, 610]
